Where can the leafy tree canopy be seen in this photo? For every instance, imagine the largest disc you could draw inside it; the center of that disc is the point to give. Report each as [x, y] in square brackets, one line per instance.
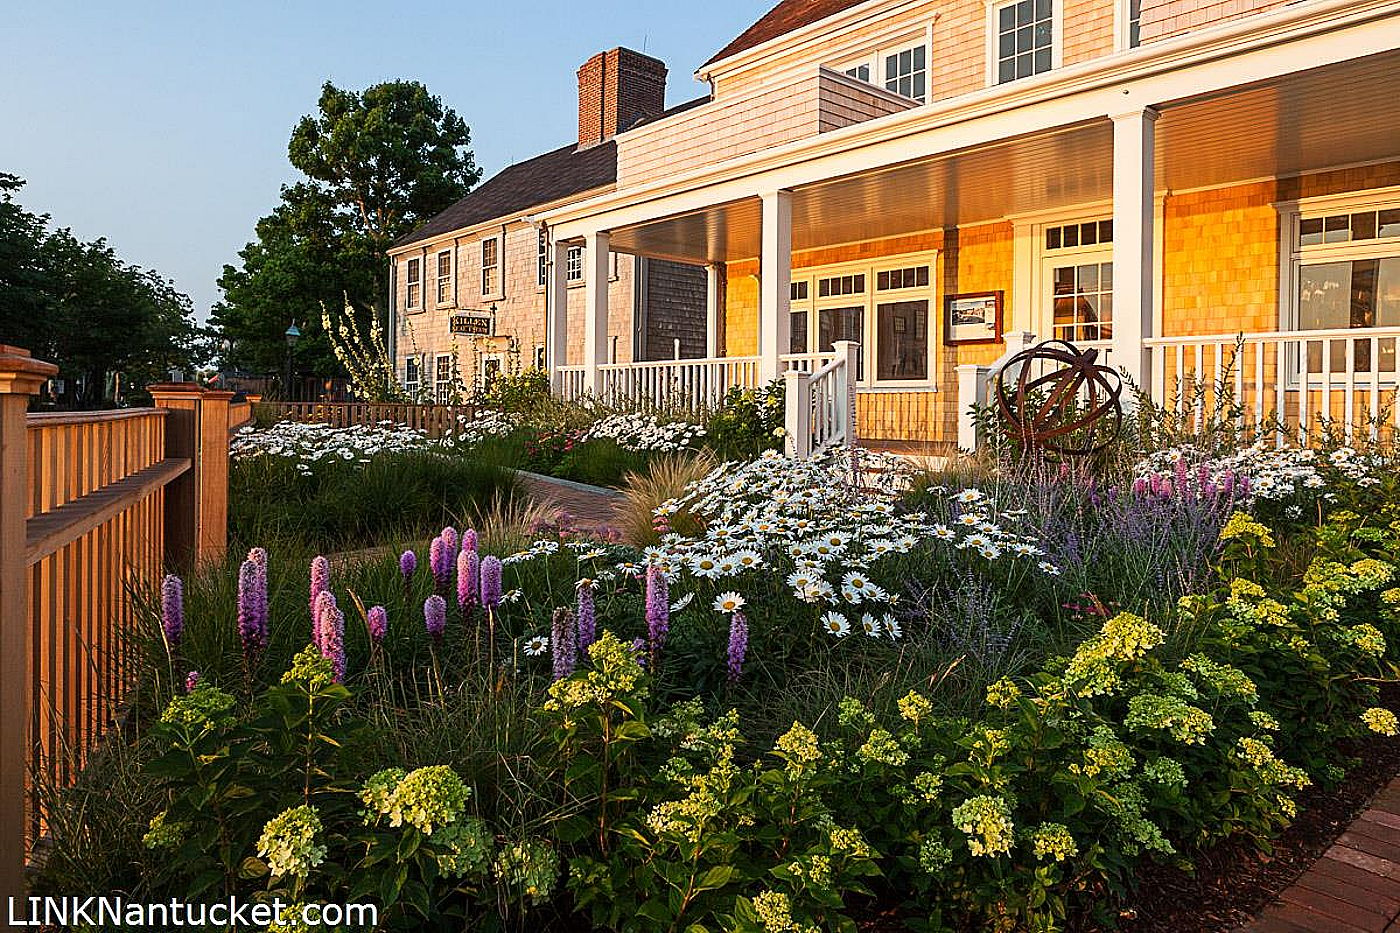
[376, 165]
[79, 305]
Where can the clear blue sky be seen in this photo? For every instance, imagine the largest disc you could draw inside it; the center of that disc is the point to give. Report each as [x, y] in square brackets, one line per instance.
[163, 126]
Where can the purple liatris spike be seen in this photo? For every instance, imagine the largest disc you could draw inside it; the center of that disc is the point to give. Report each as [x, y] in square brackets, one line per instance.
[491, 582]
[320, 579]
[469, 540]
[563, 643]
[468, 570]
[258, 556]
[587, 615]
[408, 565]
[738, 644]
[378, 621]
[1139, 488]
[440, 563]
[449, 540]
[658, 610]
[435, 616]
[333, 640]
[325, 605]
[172, 609]
[639, 651]
[252, 608]
[191, 681]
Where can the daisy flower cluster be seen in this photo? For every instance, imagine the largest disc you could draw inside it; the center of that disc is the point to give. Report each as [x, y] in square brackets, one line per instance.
[826, 527]
[311, 443]
[1259, 472]
[639, 432]
[487, 423]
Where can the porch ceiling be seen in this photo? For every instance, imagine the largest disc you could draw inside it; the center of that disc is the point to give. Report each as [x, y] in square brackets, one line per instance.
[1340, 114]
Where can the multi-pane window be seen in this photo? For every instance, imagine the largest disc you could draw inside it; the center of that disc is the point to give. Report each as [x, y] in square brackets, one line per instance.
[906, 72]
[444, 277]
[1069, 236]
[413, 278]
[490, 265]
[1347, 275]
[798, 291]
[860, 72]
[910, 277]
[542, 260]
[835, 324]
[797, 341]
[573, 264]
[1083, 301]
[412, 376]
[1025, 34]
[1134, 23]
[442, 379]
[837, 285]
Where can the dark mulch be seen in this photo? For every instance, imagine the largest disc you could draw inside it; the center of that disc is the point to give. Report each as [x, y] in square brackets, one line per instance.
[1232, 883]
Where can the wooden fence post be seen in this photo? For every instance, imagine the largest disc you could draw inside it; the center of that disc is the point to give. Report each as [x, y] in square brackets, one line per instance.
[20, 377]
[196, 504]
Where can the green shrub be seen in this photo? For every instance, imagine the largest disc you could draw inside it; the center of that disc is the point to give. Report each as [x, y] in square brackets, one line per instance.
[749, 422]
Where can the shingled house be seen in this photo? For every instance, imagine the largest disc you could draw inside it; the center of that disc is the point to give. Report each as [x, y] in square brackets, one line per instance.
[898, 194]
[470, 284]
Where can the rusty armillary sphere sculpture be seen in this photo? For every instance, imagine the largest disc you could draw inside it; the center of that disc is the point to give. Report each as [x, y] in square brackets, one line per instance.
[1059, 398]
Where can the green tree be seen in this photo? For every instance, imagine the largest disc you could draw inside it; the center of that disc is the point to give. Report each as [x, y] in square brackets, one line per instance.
[376, 165]
[79, 305]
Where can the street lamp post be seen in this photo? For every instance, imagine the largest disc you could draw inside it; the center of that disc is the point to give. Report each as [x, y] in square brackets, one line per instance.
[292, 334]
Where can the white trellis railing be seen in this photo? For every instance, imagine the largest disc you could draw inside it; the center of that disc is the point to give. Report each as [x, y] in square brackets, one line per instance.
[821, 404]
[663, 385]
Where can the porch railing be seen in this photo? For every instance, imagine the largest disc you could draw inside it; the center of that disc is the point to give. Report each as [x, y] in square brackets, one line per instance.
[667, 385]
[821, 404]
[434, 420]
[1295, 385]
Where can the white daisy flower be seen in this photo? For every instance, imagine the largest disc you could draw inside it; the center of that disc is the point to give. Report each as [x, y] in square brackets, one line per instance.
[1048, 568]
[728, 602]
[892, 626]
[748, 560]
[704, 565]
[835, 624]
[870, 624]
[944, 533]
[536, 645]
[681, 603]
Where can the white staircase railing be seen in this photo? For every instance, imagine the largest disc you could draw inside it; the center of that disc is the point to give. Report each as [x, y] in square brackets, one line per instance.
[974, 387]
[821, 404]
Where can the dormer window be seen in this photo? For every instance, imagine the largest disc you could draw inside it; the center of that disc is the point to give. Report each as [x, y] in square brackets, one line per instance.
[906, 72]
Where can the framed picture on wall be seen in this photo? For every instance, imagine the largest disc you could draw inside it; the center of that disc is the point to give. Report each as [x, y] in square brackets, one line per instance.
[972, 317]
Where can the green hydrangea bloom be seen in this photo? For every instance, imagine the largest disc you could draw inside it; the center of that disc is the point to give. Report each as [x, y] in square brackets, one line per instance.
[1367, 638]
[987, 822]
[1222, 678]
[1053, 841]
[799, 746]
[1105, 755]
[1241, 525]
[1003, 693]
[883, 748]
[1380, 720]
[205, 706]
[1164, 772]
[425, 799]
[852, 714]
[1124, 638]
[1261, 757]
[774, 910]
[529, 868]
[1186, 723]
[465, 847]
[915, 707]
[934, 856]
[288, 842]
[310, 669]
[164, 834]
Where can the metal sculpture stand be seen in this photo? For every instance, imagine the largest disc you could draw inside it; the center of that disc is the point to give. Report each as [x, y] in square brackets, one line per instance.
[1074, 409]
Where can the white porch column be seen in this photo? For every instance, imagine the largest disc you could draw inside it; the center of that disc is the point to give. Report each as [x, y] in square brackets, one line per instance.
[1134, 178]
[595, 322]
[774, 285]
[556, 341]
[712, 273]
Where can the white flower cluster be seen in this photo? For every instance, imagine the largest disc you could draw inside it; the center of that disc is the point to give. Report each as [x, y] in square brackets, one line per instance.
[645, 433]
[487, 423]
[824, 527]
[315, 443]
[1262, 471]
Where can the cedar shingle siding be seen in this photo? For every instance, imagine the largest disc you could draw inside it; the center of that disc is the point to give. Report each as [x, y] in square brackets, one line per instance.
[674, 299]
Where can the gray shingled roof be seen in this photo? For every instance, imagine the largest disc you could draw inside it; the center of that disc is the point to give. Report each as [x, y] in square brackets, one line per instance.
[518, 188]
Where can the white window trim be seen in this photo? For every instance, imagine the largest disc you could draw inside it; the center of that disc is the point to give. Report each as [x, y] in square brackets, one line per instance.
[408, 303]
[571, 281]
[495, 291]
[869, 300]
[439, 383]
[1056, 40]
[413, 387]
[1292, 256]
[868, 62]
[878, 72]
[451, 299]
[542, 259]
[1121, 26]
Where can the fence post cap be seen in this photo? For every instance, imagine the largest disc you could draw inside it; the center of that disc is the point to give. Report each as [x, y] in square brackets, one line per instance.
[218, 395]
[20, 373]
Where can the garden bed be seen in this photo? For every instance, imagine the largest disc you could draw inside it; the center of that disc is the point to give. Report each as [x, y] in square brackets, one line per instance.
[989, 699]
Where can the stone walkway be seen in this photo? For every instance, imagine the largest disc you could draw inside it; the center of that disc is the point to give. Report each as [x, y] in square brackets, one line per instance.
[1354, 887]
[589, 507]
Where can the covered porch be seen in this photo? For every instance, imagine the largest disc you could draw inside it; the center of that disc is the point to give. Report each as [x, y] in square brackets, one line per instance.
[1175, 236]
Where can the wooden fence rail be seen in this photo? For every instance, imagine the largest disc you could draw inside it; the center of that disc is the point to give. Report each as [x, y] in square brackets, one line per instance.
[94, 507]
[435, 420]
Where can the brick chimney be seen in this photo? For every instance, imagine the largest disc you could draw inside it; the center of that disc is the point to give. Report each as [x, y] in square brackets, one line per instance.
[616, 90]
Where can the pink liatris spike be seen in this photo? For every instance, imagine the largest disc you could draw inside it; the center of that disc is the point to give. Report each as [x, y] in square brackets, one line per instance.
[435, 617]
[320, 579]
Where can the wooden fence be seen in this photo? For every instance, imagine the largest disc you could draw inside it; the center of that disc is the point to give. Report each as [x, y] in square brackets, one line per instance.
[436, 420]
[94, 507]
